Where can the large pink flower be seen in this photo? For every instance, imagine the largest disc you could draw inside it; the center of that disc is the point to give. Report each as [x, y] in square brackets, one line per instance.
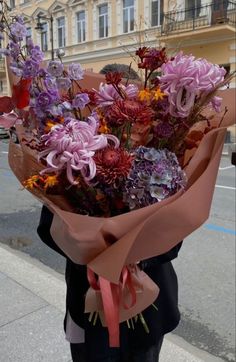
[185, 78]
[72, 145]
[107, 94]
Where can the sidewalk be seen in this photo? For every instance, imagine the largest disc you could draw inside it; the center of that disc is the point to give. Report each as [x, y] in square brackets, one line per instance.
[32, 299]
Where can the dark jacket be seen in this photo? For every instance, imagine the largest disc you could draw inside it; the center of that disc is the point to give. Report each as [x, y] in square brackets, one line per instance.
[159, 322]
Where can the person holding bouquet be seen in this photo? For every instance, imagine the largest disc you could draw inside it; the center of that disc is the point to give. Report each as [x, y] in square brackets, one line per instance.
[90, 342]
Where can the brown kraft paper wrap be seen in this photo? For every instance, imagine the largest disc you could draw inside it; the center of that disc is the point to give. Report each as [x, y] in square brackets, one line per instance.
[139, 234]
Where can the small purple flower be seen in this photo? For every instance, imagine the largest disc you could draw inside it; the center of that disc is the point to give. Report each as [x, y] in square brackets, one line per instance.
[16, 69]
[14, 50]
[55, 68]
[18, 30]
[63, 83]
[30, 69]
[75, 71]
[50, 82]
[36, 54]
[44, 100]
[80, 100]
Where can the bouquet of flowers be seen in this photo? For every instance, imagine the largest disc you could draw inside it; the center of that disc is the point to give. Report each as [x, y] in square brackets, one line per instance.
[116, 162]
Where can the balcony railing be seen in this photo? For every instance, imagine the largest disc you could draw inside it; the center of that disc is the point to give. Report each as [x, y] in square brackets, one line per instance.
[219, 12]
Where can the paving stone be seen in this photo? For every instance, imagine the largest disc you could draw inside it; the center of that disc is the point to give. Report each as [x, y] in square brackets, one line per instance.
[37, 337]
[16, 301]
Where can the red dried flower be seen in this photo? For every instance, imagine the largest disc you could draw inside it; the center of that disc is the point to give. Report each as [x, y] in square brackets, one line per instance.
[113, 78]
[124, 111]
[112, 165]
[153, 59]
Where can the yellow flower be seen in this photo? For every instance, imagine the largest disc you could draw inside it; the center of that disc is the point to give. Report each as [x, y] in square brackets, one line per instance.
[145, 95]
[32, 182]
[158, 94]
[50, 181]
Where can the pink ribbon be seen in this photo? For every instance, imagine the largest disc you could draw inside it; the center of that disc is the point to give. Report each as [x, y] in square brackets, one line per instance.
[112, 296]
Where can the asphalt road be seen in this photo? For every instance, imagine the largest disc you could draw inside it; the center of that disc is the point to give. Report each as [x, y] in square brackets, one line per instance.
[205, 266]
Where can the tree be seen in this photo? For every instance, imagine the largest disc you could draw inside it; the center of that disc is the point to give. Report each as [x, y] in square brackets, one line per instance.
[126, 70]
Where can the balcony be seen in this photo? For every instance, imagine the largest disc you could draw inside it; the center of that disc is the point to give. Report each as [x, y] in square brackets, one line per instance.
[216, 19]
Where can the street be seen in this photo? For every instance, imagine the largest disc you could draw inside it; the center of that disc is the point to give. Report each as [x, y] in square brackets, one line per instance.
[205, 266]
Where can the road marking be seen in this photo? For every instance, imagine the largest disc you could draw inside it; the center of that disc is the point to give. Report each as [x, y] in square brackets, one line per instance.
[226, 168]
[226, 187]
[220, 228]
[4, 152]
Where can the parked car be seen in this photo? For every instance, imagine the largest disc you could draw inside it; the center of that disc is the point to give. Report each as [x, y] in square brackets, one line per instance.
[4, 132]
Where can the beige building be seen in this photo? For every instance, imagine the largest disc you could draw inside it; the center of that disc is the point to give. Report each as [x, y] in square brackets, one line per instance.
[98, 32]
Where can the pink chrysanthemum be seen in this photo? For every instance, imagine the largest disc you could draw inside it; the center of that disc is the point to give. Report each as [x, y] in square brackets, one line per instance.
[72, 146]
[185, 78]
[107, 94]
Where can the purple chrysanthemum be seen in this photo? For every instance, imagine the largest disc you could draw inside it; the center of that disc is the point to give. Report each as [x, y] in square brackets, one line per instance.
[155, 175]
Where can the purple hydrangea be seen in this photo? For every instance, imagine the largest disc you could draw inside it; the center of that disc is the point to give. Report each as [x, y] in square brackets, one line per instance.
[55, 68]
[154, 176]
[75, 71]
[80, 100]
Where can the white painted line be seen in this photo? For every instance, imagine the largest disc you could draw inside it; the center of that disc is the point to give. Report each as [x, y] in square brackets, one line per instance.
[226, 187]
[226, 168]
[4, 152]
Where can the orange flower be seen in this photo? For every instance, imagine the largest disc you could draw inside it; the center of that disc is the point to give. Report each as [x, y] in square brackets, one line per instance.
[145, 95]
[158, 94]
[50, 181]
[33, 181]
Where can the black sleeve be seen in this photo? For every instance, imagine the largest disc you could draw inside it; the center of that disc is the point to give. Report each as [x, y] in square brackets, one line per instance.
[161, 259]
[43, 230]
[44, 233]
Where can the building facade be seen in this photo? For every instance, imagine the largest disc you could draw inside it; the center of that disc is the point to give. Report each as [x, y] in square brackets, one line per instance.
[99, 32]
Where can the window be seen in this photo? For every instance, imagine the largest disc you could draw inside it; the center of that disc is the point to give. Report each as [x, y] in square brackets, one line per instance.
[156, 12]
[44, 37]
[61, 32]
[12, 4]
[1, 86]
[28, 35]
[103, 21]
[193, 8]
[128, 15]
[220, 5]
[80, 26]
